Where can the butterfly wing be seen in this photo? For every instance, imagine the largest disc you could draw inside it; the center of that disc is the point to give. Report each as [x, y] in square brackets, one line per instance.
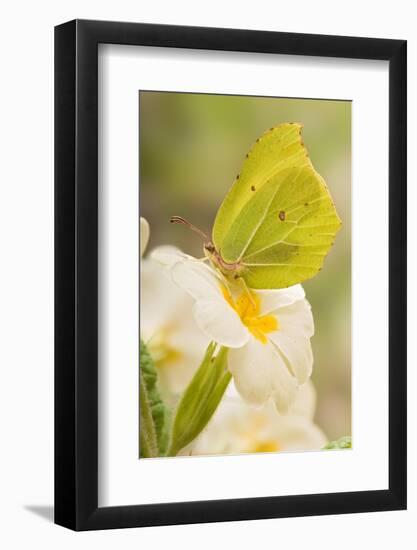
[278, 220]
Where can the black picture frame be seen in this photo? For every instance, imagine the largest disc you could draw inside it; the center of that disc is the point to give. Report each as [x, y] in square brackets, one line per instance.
[76, 272]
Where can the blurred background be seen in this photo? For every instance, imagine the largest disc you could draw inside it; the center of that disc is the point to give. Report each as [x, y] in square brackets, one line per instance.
[192, 147]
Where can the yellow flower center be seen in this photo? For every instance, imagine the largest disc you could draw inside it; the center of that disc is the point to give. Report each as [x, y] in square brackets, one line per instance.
[269, 446]
[162, 351]
[247, 306]
[254, 434]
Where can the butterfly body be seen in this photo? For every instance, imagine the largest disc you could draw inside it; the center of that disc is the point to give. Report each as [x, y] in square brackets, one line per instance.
[227, 268]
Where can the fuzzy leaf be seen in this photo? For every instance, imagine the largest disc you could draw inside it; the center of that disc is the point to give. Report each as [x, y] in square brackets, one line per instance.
[342, 443]
[154, 415]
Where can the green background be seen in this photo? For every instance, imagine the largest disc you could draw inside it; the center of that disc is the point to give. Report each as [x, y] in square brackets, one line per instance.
[192, 147]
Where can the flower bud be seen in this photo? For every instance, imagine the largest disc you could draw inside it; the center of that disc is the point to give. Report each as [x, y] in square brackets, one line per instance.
[200, 399]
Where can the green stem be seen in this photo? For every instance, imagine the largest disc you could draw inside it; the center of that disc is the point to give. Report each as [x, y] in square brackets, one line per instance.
[147, 435]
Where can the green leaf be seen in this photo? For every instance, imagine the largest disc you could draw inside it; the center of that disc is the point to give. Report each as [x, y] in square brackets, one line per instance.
[200, 399]
[342, 443]
[154, 416]
[278, 221]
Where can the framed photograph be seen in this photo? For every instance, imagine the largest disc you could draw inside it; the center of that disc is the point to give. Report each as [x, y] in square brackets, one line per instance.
[230, 254]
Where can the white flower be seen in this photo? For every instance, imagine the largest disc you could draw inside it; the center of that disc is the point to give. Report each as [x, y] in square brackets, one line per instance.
[239, 428]
[167, 325]
[268, 331]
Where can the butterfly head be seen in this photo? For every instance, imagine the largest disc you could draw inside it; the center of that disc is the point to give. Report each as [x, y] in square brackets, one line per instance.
[211, 251]
[209, 248]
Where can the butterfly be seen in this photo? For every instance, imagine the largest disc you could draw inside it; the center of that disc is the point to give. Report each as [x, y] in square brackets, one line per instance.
[278, 221]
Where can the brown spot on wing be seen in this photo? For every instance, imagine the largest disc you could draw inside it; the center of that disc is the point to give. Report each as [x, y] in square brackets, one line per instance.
[253, 188]
[281, 215]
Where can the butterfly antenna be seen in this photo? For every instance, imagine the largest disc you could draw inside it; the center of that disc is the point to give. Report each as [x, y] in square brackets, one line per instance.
[183, 221]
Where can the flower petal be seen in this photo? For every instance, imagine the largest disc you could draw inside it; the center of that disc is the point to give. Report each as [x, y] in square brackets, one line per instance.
[220, 323]
[168, 256]
[297, 350]
[168, 326]
[285, 390]
[259, 373]
[305, 402]
[297, 318]
[214, 315]
[296, 433]
[198, 279]
[296, 326]
[273, 299]
[144, 235]
[160, 299]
